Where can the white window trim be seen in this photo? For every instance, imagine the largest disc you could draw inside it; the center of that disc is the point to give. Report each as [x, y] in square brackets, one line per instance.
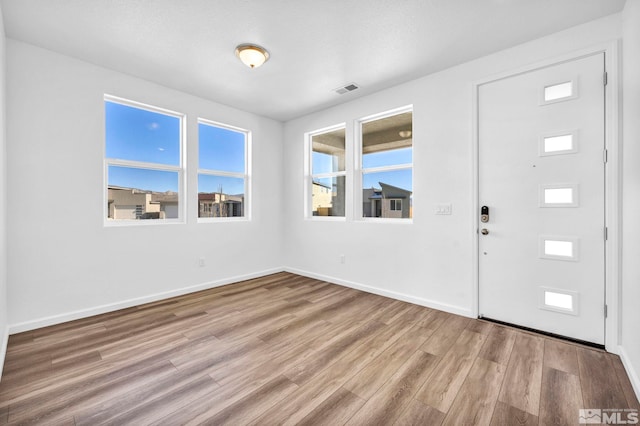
[180, 168]
[360, 171]
[309, 176]
[246, 175]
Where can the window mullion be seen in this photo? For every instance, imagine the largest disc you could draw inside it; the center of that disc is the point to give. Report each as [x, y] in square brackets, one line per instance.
[328, 175]
[222, 173]
[387, 168]
[143, 165]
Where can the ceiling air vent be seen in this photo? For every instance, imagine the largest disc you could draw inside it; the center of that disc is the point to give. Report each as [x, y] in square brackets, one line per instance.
[346, 88]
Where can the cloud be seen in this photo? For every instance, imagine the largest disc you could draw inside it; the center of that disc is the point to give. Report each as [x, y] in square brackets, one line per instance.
[153, 126]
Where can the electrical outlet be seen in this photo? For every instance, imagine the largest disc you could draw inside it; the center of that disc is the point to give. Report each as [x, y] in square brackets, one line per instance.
[201, 262]
[343, 258]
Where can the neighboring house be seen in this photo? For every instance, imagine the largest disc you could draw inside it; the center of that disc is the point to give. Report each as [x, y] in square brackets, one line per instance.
[326, 200]
[132, 204]
[388, 201]
[322, 199]
[217, 204]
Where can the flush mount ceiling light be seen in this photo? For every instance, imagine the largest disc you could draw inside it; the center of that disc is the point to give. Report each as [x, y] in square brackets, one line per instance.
[404, 133]
[252, 55]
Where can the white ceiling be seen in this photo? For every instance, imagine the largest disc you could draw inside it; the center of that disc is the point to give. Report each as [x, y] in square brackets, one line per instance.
[315, 45]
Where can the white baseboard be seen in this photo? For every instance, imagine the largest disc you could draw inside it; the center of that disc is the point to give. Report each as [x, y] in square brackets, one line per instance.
[83, 313]
[3, 348]
[97, 310]
[631, 372]
[387, 293]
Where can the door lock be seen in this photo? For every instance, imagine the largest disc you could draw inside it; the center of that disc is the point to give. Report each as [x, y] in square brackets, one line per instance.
[484, 231]
[484, 214]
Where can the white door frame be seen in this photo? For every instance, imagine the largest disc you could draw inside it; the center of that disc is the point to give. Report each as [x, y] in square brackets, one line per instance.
[612, 180]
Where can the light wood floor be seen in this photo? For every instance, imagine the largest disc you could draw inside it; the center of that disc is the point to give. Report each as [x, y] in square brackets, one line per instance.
[285, 349]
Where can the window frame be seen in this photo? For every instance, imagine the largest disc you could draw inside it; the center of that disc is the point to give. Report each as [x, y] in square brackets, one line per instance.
[309, 175]
[212, 172]
[360, 170]
[180, 168]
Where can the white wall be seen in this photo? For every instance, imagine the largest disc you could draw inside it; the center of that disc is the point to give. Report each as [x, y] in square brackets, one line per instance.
[431, 260]
[630, 352]
[4, 334]
[63, 263]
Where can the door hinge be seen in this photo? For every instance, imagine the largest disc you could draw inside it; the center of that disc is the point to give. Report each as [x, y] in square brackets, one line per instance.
[605, 79]
[605, 311]
[605, 156]
[606, 233]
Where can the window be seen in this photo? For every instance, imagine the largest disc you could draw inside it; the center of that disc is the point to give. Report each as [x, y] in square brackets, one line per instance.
[559, 92]
[222, 170]
[559, 195]
[328, 175]
[557, 300]
[559, 143]
[558, 248]
[143, 162]
[387, 165]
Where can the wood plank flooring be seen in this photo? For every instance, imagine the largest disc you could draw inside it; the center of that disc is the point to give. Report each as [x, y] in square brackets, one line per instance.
[286, 349]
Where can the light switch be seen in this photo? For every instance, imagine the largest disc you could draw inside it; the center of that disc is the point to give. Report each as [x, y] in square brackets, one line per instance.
[443, 208]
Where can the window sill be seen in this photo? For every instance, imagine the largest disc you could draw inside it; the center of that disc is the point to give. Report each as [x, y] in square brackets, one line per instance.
[111, 223]
[223, 219]
[399, 221]
[326, 218]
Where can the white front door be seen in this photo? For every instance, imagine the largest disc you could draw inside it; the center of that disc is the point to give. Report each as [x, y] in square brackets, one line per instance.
[541, 176]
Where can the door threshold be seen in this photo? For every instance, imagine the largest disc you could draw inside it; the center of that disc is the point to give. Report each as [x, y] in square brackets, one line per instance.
[546, 333]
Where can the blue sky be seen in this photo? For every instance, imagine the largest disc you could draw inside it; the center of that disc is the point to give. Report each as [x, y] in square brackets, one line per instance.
[399, 178]
[388, 158]
[154, 180]
[227, 185]
[140, 135]
[220, 149]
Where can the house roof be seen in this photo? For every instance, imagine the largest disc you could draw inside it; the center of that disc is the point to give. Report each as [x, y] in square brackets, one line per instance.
[156, 197]
[164, 197]
[390, 191]
[321, 184]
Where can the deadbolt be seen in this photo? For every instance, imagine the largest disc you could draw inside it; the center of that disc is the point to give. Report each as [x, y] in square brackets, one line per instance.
[484, 214]
[484, 231]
